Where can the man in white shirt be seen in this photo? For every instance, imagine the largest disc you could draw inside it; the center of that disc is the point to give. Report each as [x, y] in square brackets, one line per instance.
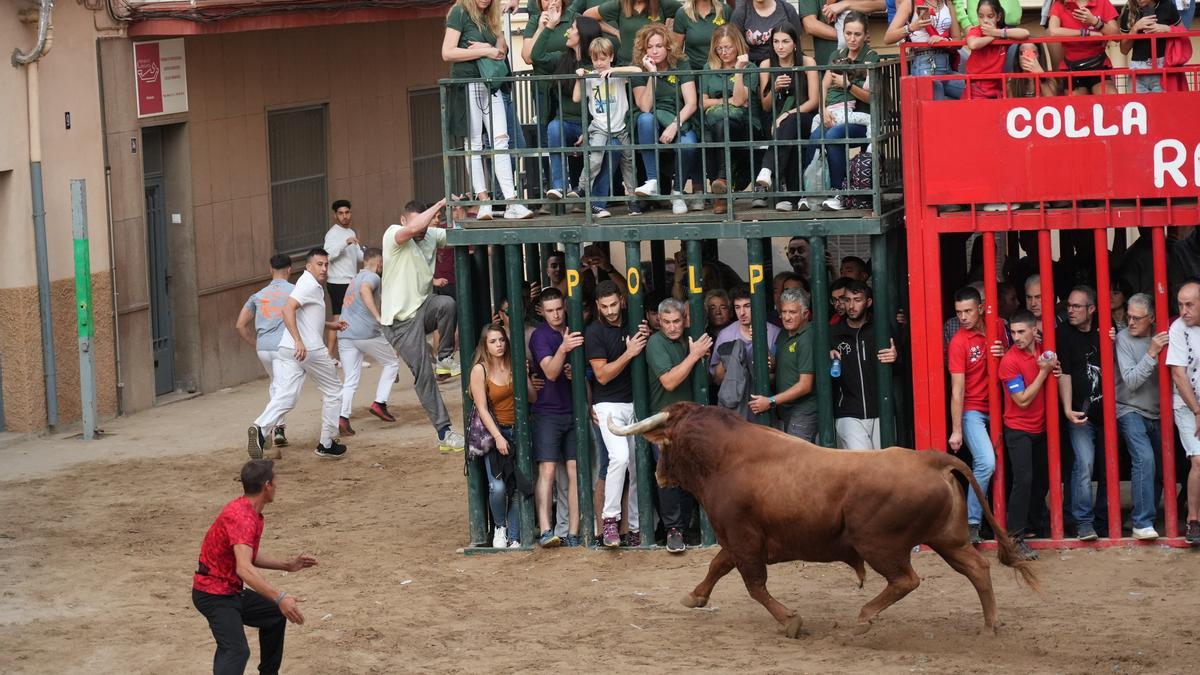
[345, 255]
[1183, 357]
[410, 310]
[302, 352]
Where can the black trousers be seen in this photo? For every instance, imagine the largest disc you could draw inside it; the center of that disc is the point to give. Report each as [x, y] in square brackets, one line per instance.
[1027, 486]
[674, 503]
[783, 160]
[227, 614]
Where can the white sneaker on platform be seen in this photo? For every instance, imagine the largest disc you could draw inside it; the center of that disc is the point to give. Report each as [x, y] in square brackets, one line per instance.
[500, 538]
[484, 213]
[678, 206]
[647, 189]
[517, 212]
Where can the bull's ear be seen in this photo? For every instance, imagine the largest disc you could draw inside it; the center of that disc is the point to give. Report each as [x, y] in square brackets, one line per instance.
[658, 436]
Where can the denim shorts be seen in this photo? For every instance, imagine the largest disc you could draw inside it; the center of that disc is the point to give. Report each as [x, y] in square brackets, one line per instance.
[553, 438]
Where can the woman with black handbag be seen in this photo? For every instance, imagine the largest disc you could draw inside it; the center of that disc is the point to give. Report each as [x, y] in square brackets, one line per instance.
[1085, 18]
[475, 45]
[495, 407]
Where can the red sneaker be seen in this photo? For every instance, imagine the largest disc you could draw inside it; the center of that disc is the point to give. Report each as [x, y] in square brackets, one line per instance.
[380, 410]
[344, 427]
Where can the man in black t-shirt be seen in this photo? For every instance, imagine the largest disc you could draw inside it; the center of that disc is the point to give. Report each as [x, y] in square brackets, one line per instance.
[1081, 394]
[609, 350]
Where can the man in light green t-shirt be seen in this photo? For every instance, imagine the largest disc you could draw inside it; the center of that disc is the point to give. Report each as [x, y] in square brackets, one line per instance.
[409, 310]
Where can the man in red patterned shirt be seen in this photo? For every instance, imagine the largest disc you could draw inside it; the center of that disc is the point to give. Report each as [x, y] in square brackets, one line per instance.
[227, 587]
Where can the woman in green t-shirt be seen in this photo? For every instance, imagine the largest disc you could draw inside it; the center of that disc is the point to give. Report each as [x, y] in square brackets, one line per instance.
[472, 34]
[667, 100]
[724, 100]
[694, 25]
[630, 16]
[792, 99]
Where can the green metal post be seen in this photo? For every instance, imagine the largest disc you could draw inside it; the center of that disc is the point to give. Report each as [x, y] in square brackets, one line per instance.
[641, 391]
[83, 308]
[769, 273]
[498, 284]
[700, 373]
[759, 290]
[826, 435]
[468, 328]
[881, 268]
[583, 417]
[521, 435]
[658, 267]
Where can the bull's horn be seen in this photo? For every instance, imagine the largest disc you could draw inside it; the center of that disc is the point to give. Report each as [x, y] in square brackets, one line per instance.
[638, 427]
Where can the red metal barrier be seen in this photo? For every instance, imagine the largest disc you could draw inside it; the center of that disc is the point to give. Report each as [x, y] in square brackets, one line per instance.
[1117, 160]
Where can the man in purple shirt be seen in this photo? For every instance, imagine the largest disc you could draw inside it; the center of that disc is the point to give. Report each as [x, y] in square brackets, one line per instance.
[553, 419]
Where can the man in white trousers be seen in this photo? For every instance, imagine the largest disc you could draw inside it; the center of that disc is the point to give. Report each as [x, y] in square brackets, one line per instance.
[610, 350]
[302, 352]
[264, 310]
[364, 336]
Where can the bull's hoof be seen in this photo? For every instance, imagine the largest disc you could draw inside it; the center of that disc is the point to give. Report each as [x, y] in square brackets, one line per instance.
[692, 601]
[861, 628]
[792, 629]
[990, 631]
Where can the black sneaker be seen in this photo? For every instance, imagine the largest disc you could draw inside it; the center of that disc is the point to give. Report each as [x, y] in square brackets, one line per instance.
[631, 539]
[280, 440]
[973, 533]
[571, 541]
[334, 451]
[635, 208]
[1086, 532]
[675, 541]
[1024, 552]
[1192, 533]
[255, 442]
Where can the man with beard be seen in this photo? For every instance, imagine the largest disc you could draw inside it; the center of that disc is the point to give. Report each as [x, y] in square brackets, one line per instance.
[856, 401]
[610, 350]
[1082, 394]
[970, 398]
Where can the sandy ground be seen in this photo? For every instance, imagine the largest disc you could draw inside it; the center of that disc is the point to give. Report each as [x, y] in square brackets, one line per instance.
[98, 542]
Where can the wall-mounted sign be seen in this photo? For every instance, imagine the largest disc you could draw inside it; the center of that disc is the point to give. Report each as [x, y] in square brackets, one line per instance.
[160, 77]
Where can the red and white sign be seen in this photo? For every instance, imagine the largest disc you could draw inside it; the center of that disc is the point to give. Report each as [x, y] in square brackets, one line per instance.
[1038, 149]
[160, 76]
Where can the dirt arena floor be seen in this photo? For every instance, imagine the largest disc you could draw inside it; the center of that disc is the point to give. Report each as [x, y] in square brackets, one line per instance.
[96, 560]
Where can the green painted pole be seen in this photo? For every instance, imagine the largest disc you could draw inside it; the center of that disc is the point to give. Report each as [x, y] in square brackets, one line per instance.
[641, 392]
[759, 290]
[881, 268]
[583, 417]
[827, 433]
[499, 262]
[83, 308]
[700, 373]
[468, 328]
[516, 317]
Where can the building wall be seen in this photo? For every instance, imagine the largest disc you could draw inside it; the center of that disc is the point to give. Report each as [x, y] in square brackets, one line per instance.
[363, 72]
[69, 83]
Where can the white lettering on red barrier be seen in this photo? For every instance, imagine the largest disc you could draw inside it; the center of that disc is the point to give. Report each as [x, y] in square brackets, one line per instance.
[1051, 122]
[1164, 166]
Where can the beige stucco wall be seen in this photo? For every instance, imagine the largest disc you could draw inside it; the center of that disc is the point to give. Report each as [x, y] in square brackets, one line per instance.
[68, 84]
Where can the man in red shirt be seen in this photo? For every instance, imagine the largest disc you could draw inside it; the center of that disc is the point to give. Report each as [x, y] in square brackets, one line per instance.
[1024, 375]
[227, 587]
[969, 400]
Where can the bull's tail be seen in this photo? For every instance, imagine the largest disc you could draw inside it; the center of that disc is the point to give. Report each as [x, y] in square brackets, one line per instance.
[1006, 551]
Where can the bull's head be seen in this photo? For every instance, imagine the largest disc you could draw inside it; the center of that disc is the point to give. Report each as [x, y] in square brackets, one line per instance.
[656, 430]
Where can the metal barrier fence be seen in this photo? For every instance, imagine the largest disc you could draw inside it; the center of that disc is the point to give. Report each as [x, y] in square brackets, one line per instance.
[1072, 170]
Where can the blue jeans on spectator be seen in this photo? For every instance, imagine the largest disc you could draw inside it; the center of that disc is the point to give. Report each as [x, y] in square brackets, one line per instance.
[500, 492]
[835, 155]
[1084, 439]
[1187, 15]
[983, 459]
[937, 62]
[648, 133]
[562, 133]
[1143, 437]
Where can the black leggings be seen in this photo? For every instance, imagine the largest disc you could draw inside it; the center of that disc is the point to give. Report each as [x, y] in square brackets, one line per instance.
[1027, 484]
[783, 160]
[714, 132]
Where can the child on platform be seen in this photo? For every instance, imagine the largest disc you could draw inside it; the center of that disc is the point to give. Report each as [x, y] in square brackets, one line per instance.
[608, 111]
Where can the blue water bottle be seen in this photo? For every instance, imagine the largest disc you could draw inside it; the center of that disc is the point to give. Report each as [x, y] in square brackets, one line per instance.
[835, 370]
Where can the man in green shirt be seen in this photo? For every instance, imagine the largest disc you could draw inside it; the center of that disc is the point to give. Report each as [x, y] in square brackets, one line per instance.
[671, 362]
[794, 371]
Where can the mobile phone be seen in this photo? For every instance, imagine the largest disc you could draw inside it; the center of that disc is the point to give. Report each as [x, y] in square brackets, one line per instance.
[1147, 11]
[923, 12]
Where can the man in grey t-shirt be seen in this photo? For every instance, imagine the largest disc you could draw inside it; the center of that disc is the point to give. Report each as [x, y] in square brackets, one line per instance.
[265, 310]
[364, 335]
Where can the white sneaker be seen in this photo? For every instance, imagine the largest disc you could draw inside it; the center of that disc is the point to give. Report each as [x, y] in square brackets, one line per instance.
[447, 366]
[514, 544]
[783, 206]
[554, 193]
[803, 205]
[647, 189]
[678, 206]
[759, 201]
[517, 212]
[764, 178]
[1145, 533]
[500, 538]
[572, 194]
[453, 442]
[599, 213]
[834, 203]
[995, 208]
[484, 213]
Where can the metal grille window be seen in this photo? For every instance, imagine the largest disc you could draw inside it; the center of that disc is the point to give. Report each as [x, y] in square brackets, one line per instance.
[299, 186]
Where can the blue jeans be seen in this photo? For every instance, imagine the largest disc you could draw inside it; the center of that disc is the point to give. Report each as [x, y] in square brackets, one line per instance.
[835, 155]
[499, 492]
[1084, 439]
[983, 459]
[937, 62]
[648, 133]
[1143, 437]
[562, 133]
[1188, 14]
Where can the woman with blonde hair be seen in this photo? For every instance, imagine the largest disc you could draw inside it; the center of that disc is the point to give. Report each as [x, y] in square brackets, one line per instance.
[694, 25]
[474, 44]
[667, 99]
[724, 100]
[492, 394]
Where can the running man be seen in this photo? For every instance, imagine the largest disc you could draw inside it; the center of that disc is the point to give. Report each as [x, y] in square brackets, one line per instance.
[264, 309]
[364, 336]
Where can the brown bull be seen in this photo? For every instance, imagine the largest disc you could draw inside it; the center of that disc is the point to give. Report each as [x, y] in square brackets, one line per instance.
[774, 498]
